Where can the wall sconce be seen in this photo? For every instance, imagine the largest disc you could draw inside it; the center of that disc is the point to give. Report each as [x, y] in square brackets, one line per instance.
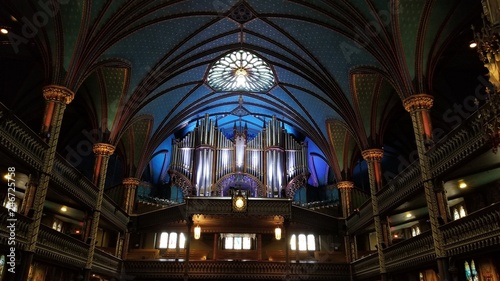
[197, 232]
[277, 233]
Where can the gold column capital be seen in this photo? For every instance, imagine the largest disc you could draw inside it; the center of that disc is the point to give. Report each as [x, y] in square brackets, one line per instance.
[373, 154]
[131, 181]
[58, 93]
[103, 149]
[418, 102]
[345, 185]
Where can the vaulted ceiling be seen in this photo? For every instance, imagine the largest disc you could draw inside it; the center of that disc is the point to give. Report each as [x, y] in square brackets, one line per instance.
[139, 68]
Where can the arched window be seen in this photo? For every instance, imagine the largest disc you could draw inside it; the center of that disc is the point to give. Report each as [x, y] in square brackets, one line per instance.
[54, 225]
[302, 242]
[311, 243]
[413, 232]
[2, 266]
[456, 215]
[471, 273]
[163, 240]
[421, 276]
[462, 212]
[172, 240]
[293, 242]
[182, 241]
[417, 230]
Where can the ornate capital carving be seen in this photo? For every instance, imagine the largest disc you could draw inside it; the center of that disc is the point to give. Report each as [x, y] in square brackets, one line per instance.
[345, 185]
[131, 181]
[373, 154]
[58, 93]
[418, 102]
[103, 149]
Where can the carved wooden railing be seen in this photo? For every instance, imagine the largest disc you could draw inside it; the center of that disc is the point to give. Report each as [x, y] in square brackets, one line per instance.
[21, 228]
[477, 231]
[409, 253]
[56, 246]
[455, 148]
[106, 263]
[18, 139]
[366, 267]
[62, 248]
[234, 270]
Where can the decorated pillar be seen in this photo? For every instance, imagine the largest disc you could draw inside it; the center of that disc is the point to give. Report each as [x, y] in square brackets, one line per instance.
[345, 188]
[56, 99]
[373, 158]
[29, 197]
[102, 152]
[130, 185]
[215, 246]
[418, 106]
[190, 236]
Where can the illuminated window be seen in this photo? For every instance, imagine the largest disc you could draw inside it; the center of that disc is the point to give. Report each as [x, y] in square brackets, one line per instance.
[237, 241]
[293, 243]
[470, 271]
[228, 243]
[459, 212]
[462, 212]
[182, 241]
[241, 71]
[415, 231]
[57, 225]
[172, 240]
[2, 266]
[311, 243]
[421, 276]
[163, 240]
[304, 243]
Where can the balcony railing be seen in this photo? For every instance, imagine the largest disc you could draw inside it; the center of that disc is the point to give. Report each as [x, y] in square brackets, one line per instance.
[478, 230]
[56, 246]
[367, 266]
[453, 149]
[411, 252]
[234, 270]
[17, 138]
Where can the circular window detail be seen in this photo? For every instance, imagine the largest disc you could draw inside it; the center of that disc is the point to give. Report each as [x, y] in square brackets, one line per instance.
[240, 71]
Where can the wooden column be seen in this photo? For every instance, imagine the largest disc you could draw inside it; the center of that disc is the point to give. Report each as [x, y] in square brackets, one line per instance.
[130, 185]
[345, 188]
[373, 158]
[102, 152]
[56, 99]
[419, 106]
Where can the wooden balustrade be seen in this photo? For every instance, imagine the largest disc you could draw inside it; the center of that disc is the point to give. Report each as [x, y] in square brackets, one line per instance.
[367, 266]
[237, 270]
[478, 230]
[408, 253]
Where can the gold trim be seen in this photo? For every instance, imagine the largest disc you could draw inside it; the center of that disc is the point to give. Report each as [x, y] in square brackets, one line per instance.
[58, 93]
[345, 185]
[419, 101]
[103, 149]
[373, 154]
[131, 181]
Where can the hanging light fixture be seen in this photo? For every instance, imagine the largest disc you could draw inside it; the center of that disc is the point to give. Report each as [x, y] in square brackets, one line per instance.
[197, 232]
[277, 233]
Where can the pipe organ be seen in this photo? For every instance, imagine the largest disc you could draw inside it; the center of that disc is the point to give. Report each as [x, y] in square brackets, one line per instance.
[207, 163]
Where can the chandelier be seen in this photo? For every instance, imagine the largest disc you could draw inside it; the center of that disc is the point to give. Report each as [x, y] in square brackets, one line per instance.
[488, 46]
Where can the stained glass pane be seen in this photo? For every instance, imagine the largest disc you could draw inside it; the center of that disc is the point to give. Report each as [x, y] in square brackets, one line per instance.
[241, 71]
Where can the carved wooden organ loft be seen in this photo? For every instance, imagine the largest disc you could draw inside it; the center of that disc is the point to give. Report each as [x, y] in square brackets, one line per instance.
[207, 163]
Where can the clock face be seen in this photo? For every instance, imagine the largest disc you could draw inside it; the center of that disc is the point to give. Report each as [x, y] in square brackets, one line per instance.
[239, 203]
